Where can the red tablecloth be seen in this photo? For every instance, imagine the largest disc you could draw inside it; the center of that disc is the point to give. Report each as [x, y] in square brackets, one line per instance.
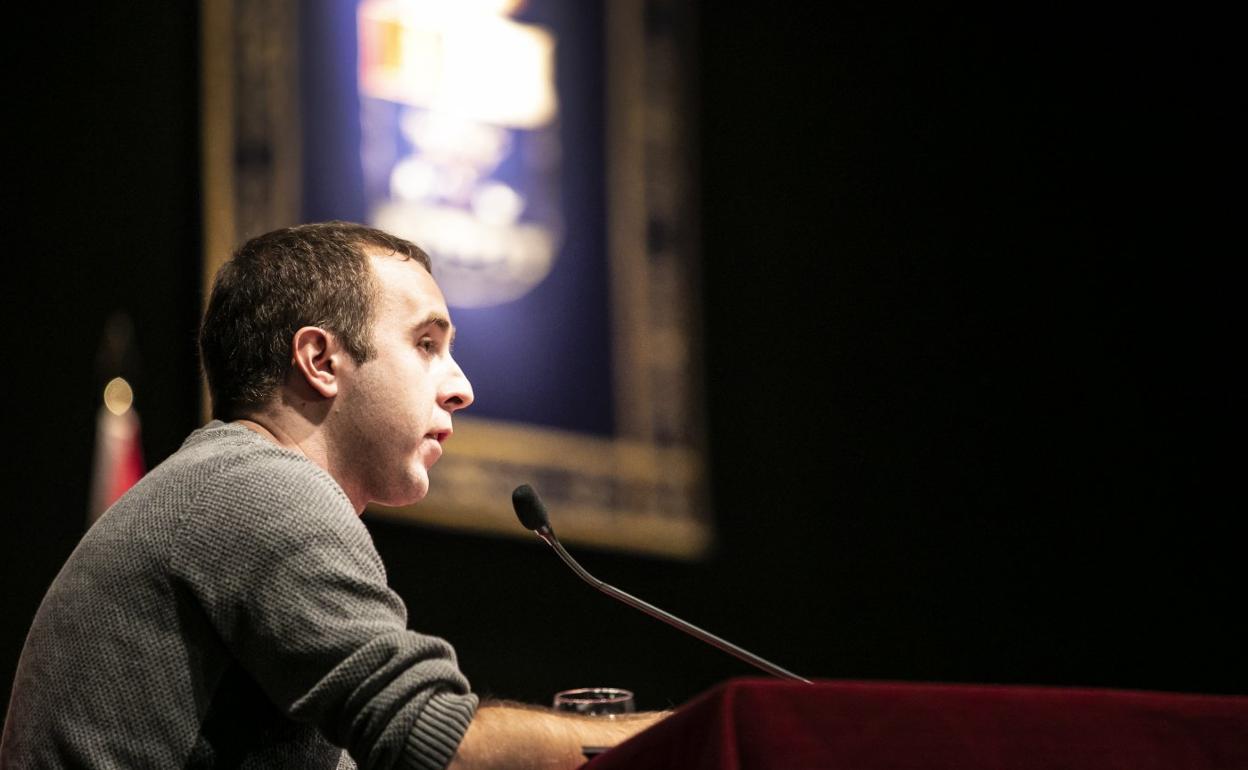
[864, 726]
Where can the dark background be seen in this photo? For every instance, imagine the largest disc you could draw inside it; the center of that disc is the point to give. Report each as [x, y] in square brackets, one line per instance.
[967, 306]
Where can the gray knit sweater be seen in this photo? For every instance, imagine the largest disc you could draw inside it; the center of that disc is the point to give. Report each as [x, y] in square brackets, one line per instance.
[231, 611]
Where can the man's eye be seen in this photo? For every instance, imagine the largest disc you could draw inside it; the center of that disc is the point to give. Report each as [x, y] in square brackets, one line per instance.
[429, 345]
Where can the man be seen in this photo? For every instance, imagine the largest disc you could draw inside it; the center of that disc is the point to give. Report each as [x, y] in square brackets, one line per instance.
[231, 610]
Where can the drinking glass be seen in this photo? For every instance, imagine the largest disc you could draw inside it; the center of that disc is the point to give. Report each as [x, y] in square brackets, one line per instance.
[596, 701]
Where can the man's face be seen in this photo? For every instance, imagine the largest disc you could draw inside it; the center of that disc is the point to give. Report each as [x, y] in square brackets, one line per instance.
[395, 409]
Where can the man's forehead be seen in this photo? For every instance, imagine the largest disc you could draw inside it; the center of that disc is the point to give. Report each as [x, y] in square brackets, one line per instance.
[392, 269]
[410, 290]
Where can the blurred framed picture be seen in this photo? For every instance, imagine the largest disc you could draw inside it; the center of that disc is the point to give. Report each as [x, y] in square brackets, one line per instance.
[540, 152]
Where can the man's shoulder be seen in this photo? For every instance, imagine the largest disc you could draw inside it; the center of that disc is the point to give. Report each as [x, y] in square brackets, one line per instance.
[251, 495]
[232, 477]
[235, 458]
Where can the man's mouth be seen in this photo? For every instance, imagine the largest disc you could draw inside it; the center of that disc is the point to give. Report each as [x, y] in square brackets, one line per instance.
[432, 449]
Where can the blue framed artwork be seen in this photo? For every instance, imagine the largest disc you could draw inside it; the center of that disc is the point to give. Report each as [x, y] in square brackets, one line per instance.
[539, 152]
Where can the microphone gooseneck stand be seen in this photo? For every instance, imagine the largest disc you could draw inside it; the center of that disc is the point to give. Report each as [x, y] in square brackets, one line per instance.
[533, 516]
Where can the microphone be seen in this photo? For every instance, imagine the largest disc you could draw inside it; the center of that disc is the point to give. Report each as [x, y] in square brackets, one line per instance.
[532, 515]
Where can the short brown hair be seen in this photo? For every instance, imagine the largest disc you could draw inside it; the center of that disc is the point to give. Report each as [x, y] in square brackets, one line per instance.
[276, 283]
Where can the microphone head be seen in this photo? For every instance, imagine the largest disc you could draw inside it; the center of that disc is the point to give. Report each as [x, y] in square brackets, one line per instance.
[529, 508]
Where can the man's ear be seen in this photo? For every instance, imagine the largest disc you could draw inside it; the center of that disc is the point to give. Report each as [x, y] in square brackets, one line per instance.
[317, 358]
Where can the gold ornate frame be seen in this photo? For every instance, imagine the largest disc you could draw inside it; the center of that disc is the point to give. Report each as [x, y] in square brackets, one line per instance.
[643, 489]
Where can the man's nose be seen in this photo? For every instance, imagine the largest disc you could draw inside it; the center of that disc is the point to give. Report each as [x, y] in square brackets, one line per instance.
[457, 391]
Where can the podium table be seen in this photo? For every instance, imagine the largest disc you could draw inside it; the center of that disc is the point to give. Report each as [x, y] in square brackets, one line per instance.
[775, 725]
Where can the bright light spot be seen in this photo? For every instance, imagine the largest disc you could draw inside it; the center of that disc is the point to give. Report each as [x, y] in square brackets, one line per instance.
[458, 59]
[498, 7]
[450, 139]
[495, 203]
[412, 179]
[118, 396]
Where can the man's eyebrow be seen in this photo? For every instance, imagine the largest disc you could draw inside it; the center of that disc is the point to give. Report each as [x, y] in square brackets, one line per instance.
[437, 319]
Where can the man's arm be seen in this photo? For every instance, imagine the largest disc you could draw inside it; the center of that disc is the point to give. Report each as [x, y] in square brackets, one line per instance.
[519, 736]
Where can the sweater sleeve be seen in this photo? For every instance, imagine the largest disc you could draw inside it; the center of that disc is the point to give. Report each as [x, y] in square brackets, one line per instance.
[290, 579]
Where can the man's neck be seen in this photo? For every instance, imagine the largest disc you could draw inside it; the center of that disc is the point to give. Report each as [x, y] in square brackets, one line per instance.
[272, 434]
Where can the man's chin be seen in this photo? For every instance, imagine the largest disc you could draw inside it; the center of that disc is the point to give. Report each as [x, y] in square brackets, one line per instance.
[412, 494]
[403, 491]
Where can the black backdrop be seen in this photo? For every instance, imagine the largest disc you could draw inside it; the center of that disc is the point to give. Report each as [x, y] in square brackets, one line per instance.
[972, 411]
